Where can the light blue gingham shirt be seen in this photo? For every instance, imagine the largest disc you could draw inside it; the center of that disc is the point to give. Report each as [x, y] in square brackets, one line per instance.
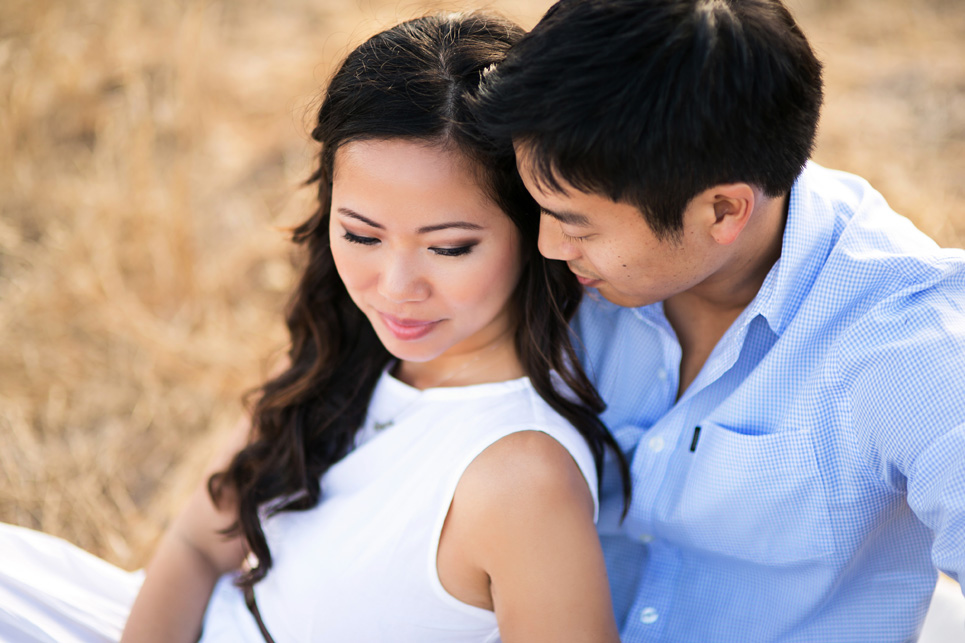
[827, 479]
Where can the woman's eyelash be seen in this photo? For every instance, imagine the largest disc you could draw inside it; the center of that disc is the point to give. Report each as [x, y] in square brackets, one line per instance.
[454, 252]
[365, 241]
[444, 252]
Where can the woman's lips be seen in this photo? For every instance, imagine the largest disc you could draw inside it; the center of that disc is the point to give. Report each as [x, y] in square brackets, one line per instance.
[408, 329]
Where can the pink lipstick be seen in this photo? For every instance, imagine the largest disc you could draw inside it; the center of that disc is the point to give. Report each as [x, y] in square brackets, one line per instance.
[408, 329]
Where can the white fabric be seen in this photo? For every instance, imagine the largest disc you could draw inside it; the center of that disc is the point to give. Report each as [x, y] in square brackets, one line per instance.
[359, 567]
[54, 592]
[362, 565]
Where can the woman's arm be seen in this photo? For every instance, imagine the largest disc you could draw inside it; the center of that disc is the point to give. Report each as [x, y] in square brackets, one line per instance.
[521, 526]
[190, 558]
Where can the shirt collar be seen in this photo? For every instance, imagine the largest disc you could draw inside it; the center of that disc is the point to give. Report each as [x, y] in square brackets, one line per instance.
[809, 236]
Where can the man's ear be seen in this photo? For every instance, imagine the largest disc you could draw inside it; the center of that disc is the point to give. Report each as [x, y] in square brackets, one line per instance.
[733, 204]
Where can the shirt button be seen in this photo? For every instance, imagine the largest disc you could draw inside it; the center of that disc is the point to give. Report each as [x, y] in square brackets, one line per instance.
[656, 444]
[662, 375]
[646, 538]
[648, 616]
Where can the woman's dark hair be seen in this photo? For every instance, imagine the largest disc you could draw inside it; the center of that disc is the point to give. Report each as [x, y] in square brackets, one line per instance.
[651, 102]
[412, 81]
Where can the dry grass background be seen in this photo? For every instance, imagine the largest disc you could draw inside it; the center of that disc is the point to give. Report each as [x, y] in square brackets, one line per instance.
[150, 151]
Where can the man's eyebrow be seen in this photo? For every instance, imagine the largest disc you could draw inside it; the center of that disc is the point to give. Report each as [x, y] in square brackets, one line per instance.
[459, 225]
[571, 218]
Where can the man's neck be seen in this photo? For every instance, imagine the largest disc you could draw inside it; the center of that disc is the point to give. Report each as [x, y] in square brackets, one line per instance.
[700, 316]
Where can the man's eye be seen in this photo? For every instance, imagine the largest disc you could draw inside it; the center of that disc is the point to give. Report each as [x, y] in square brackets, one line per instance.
[574, 239]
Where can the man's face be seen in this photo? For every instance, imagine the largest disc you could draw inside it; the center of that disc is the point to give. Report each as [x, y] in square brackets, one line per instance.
[610, 246]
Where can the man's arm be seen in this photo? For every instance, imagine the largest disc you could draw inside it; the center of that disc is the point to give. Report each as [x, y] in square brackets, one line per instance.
[908, 406]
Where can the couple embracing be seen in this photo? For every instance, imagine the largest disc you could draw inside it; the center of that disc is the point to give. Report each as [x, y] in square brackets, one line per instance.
[585, 349]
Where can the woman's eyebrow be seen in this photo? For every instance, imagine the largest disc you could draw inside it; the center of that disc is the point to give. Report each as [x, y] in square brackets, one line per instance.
[355, 215]
[458, 225]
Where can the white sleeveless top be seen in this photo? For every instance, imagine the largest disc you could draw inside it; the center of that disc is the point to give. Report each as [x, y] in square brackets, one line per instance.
[361, 566]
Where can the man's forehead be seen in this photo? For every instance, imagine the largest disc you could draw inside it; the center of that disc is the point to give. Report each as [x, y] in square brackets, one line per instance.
[539, 175]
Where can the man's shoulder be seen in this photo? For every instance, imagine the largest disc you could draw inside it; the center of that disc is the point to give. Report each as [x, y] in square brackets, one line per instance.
[874, 250]
[899, 355]
[923, 306]
[838, 186]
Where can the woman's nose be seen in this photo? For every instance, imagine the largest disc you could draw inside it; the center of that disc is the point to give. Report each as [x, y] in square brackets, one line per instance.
[401, 280]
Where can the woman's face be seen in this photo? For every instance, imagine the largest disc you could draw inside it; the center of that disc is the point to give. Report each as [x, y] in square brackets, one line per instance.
[423, 252]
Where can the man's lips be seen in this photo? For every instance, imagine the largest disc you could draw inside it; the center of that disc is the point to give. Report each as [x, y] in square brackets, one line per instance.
[408, 329]
[590, 282]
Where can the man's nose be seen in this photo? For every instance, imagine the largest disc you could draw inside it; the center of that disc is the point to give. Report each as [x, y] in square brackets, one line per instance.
[553, 244]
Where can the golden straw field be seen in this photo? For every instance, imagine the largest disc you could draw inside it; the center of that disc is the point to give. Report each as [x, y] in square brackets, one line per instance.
[151, 154]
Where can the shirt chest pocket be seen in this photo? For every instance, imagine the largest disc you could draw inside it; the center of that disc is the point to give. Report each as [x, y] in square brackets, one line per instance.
[755, 497]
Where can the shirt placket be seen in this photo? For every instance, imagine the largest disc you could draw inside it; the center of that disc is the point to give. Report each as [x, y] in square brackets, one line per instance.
[657, 465]
[651, 458]
[648, 618]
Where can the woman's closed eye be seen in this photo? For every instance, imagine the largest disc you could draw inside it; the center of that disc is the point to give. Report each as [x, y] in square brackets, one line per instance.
[356, 238]
[442, 251]
[456, 251]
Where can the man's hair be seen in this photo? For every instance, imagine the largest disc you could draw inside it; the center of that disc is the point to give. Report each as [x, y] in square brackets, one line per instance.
[650, 102]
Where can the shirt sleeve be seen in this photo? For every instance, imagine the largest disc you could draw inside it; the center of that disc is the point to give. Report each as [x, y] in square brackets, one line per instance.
[906, 385]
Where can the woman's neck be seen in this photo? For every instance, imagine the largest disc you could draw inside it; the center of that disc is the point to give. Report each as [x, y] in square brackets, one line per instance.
[494, 361]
